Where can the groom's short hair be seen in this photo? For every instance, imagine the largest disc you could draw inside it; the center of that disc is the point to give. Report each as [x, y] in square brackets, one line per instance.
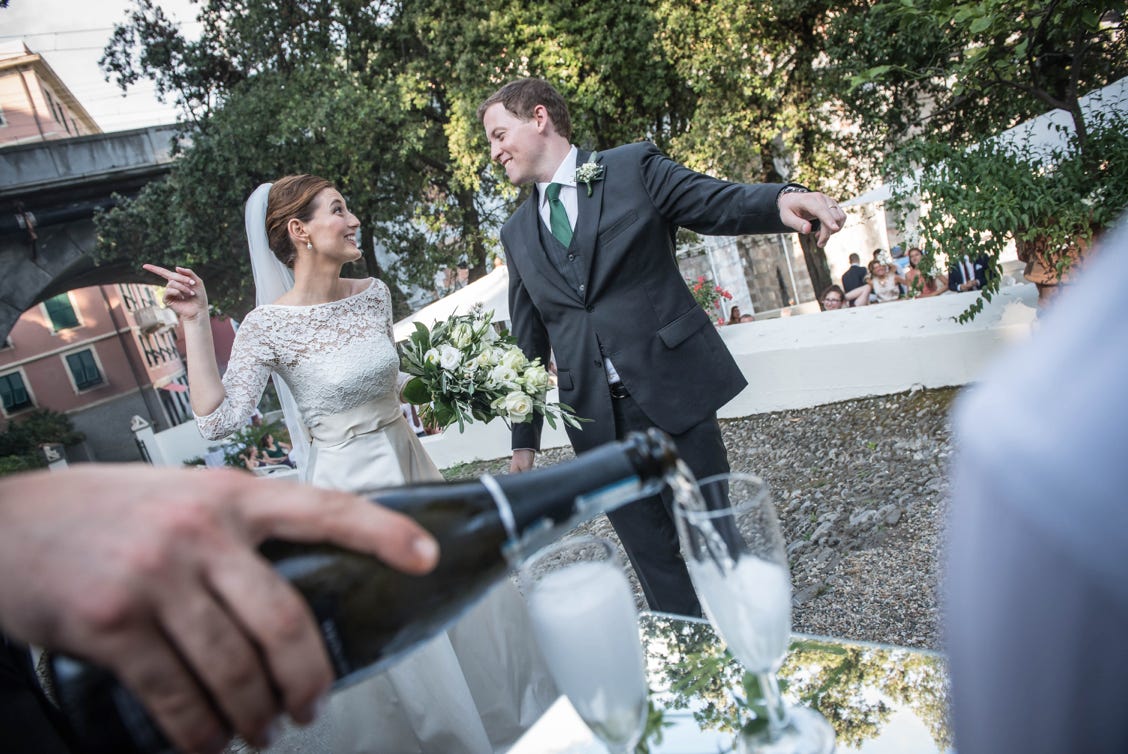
[522, 96]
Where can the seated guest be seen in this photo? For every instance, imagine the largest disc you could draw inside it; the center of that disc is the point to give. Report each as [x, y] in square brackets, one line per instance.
[250, 458]
[855, 277]
[275, 451]
[886, 285]
[966, 275]
[919, 284]
[734, 316]
[832, 299]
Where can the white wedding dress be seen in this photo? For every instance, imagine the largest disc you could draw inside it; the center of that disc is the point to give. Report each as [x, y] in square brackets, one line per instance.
[475, 688]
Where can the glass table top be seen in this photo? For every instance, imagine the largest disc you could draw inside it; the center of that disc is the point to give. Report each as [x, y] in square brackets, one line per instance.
[880, 699]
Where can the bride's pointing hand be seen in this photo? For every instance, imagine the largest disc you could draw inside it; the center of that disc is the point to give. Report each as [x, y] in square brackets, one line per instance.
[184, 291]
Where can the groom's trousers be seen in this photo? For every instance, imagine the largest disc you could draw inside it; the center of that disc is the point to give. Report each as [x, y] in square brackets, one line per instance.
[646, 527]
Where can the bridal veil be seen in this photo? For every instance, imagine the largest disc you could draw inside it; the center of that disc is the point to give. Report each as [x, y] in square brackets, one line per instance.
[272, 279]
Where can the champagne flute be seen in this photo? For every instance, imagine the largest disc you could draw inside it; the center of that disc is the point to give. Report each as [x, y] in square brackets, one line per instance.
[586, 624]
[734, 549]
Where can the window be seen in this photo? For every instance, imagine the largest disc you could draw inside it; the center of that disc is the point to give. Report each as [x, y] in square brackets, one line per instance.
[51, 104]
[14, 393]
[126, 293]
[61, 312]
[84, 369]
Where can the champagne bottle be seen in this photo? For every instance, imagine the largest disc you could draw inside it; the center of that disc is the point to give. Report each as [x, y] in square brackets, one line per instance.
[370, 615]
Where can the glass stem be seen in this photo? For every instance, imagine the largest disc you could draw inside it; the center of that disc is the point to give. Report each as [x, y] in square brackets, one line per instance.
[773, 702]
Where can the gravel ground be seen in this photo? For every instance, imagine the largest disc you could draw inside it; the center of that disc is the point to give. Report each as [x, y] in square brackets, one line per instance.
[861, 489]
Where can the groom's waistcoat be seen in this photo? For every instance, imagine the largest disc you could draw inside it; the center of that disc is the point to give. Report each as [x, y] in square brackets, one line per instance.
[617, 291]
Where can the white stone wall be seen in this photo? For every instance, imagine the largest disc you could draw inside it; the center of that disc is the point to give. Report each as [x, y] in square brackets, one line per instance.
[815, 358]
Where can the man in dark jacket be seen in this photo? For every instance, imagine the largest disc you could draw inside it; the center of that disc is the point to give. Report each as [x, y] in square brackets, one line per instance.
[855, 277]
[593, 277]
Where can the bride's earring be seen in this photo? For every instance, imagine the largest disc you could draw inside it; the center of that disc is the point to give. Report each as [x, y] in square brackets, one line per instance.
[309, 245]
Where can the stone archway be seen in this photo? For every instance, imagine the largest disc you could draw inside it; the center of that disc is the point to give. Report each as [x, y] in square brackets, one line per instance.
[48, 196]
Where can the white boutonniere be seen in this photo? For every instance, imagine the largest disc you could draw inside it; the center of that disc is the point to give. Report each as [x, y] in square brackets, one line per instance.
[590, 172]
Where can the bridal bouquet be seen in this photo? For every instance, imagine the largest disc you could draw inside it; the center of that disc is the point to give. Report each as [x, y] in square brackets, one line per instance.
[462, 370]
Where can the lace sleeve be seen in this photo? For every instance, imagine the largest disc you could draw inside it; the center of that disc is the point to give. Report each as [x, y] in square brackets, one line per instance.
[244, 381]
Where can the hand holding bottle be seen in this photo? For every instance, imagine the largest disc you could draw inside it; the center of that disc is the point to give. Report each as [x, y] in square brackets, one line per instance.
[153, 574]
[371, 615]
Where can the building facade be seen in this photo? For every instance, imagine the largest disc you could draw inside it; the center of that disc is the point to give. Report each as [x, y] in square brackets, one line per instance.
[100, 355]
[763, 273]
[35, 105]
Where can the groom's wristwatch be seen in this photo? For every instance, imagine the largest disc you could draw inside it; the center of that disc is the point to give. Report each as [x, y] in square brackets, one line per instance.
[791, 188]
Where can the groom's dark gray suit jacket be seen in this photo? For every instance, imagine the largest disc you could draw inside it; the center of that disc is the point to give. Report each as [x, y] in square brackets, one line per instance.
[617, 291]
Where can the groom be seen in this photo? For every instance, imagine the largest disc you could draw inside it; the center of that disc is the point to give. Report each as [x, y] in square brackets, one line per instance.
[592, 276]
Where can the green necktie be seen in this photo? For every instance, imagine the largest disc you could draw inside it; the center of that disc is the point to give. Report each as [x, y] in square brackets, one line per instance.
[557, 215]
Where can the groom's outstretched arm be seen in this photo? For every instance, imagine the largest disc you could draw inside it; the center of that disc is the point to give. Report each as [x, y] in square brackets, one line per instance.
[715, 207]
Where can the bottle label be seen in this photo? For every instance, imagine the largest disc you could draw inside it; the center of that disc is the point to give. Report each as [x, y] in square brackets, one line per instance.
[341, 665]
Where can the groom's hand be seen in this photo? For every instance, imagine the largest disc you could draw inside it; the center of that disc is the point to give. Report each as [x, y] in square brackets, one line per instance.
[522, 460]
[798, 210]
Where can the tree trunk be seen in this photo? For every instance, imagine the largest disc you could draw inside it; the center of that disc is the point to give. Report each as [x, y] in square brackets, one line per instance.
[817, 267]
[472, 235]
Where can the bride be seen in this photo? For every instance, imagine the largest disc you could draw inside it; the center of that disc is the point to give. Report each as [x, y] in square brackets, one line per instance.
[329, 339]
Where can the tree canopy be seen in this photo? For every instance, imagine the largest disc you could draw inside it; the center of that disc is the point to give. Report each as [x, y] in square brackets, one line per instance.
[380, 97]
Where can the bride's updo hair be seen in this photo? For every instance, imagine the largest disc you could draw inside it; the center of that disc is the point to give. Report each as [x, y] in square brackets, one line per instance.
[290, 197]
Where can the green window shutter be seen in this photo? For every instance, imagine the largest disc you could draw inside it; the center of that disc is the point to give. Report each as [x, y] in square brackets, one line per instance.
[84, 369]
[13, 392]
[61, 312]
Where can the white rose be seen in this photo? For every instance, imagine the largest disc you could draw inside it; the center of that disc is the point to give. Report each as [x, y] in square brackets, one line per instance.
[461, 335]
[514, 359]
[517, 406]
[482, 360]
[489, 334]
[431, 357]
[536, 378]
[449, 356]
[503, 375]
[496, 354]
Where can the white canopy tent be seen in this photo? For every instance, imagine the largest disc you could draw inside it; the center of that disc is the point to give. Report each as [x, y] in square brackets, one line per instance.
[492, 291]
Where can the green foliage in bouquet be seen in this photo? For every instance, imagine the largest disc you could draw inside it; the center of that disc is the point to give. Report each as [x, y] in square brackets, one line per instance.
[462, 370]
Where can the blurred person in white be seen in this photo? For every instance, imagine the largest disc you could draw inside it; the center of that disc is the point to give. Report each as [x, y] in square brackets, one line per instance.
[1037, 592]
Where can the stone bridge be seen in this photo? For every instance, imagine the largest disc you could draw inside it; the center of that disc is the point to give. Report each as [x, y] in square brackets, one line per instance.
[49, 192]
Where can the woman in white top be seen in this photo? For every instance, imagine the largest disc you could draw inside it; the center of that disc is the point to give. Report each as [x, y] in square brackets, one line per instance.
[886, 285]
[329, 340]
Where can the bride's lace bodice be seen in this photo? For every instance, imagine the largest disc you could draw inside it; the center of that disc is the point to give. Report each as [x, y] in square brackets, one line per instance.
[334, 357]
